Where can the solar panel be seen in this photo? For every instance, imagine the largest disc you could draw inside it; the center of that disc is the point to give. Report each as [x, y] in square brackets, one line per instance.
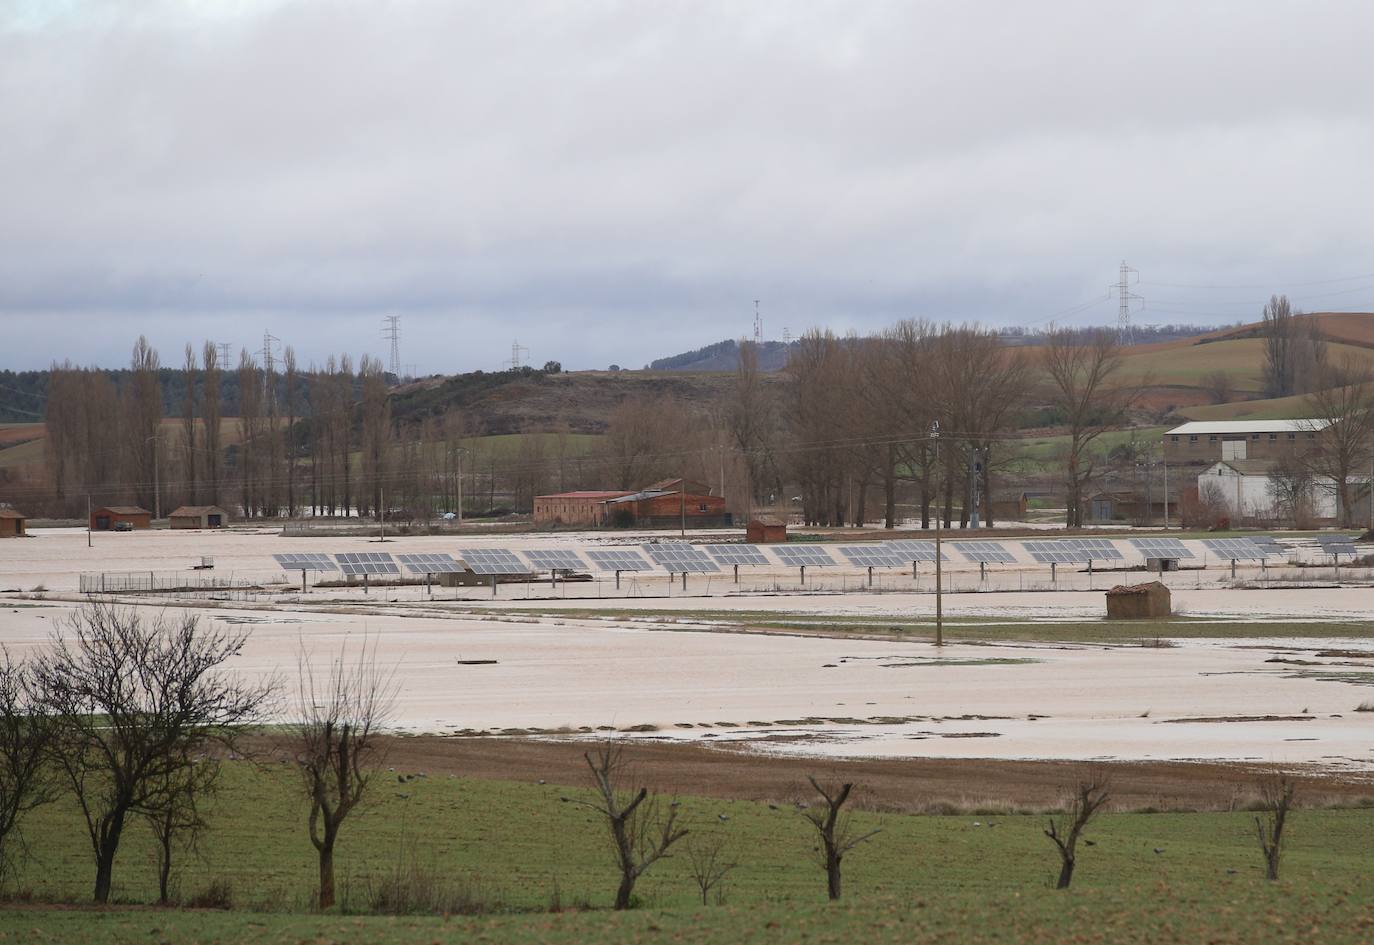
[911, 551]
[872, 556]
[1098, 549]
[310, 561]
[804, 556]
[1269, 544]
[1337, 544]
[492, 561]
[1161, 547]
[554, 559]
[680, 558]
[358, 563]
[1057, 551]
[989, 551]
[618, 559]
[429, 563]
[736, 554]
[1234, 549]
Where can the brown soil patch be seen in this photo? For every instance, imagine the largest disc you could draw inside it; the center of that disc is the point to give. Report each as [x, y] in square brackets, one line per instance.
[897, 785]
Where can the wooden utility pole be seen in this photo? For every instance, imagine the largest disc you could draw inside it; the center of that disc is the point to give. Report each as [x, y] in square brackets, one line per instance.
[939, 581]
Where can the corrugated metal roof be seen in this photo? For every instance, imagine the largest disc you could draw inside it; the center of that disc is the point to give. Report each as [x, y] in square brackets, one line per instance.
[1250, 426]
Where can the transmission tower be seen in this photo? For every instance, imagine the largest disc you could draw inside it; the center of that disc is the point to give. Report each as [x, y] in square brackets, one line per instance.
[269, 366]
[392, 332]
[224, 349]
[1125, 297]
[515, 350]
[758, 325]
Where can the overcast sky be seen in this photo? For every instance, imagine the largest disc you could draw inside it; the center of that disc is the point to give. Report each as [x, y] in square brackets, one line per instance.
[615, 182]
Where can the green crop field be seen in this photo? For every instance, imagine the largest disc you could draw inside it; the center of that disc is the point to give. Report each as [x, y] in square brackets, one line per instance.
[1277, 408]
[1048, 451]
[1242, 359]
[507, 851]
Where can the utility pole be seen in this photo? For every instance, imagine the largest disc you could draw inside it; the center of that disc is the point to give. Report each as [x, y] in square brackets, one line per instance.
[88, 520]
[224, 351]
[975, 469]
[682, 494]
[515, 350]
[460, 452]
[1125, 297]
[758, 325]
[939, 583]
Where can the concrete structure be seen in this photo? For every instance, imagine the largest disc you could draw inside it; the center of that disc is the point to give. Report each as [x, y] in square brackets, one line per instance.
[106, 518]
[1209, 441]
[198, 516]
[573, 508]
[766, 530]
[12, 523]
[1244, 488]
[1139, 602]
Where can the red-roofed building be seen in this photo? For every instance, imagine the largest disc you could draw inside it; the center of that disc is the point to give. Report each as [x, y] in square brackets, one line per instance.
[574, 508]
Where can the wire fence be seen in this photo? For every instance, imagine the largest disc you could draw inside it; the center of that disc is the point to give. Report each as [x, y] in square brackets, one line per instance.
[151, 582]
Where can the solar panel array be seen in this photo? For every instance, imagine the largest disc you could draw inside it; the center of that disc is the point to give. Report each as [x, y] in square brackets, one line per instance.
[311, 561]
[804, 556]
[736, 554]
[356, 564]
[1058, 551]
[492, 561]
[1268, 544]
[984, 551]
[1099, 549]
[429, 563]
[1337, 544]
[915, 550]
[1161, 547]
[680, 558]
[873, 556]
[554, 559]
[618, 559]
[1234, 549]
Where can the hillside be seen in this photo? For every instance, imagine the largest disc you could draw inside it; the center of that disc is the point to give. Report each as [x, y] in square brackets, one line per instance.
[724, 356]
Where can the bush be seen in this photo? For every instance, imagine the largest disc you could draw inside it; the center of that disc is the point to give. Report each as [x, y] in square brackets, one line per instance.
[218, 894]
[415, 887]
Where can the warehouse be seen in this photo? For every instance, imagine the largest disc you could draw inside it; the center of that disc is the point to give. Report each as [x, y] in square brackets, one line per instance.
[198, 516]
[1206, 442]
[573, 508]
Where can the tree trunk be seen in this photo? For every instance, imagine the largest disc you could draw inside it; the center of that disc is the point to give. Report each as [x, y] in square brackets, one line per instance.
[327, 873]
[164, 869]
[622, 895]
[104, 870]
[890, 490]
[832, 876]
[1065, 874]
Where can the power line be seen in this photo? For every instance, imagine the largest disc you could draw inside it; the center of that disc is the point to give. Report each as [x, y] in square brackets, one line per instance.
[392, 331]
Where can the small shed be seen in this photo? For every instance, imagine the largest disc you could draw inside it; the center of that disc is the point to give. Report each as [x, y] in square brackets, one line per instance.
[106, 518]
[1139, 601]
[11, 523]
[766, 530]
[198, 516]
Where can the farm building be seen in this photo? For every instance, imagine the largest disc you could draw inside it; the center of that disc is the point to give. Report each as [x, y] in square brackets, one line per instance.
[1209, 441]
[1126, 505]
[107, 518]
[661, 508]
[11, 523]
[1011, 509]
[765, 530]
[573, 508]
[198, 516]
[1244, 488]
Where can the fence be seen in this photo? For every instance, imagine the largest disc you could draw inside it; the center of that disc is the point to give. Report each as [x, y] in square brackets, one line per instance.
[150, 582]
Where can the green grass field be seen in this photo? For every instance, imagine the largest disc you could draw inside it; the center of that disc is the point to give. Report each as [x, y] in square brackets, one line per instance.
[514, 847]
[1277, 408]
[1242, 359]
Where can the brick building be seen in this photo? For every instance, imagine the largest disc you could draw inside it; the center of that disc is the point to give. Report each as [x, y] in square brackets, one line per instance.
[11, 523]
[198, 516]
[1205, 442]
[573, 508]
[660, 505]
[105, 519]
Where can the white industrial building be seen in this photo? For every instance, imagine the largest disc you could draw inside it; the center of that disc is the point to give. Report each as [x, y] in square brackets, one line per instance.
[1244, 488]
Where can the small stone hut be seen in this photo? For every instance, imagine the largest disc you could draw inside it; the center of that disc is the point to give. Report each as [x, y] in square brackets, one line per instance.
[1139, 602]
[766, 530]
[11, 523]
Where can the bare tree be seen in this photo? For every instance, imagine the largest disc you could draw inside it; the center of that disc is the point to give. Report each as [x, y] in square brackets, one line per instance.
[133, 703]
[338, 747]
[1086, 390]
[177, 820]
[1088, 798]
[143, 417]
[25, 736]
[188, 424]
[1294, 351]
[1277, 797]
[210, 419]
[710, 862]
[1218, 386]
[641, 832]
[1290, 486]
[1344, 398]
[837, 833]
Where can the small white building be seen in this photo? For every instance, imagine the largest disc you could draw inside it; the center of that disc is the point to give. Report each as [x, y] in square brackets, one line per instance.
[1243, 486]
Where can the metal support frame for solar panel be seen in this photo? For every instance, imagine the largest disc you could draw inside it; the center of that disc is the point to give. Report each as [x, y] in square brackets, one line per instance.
[735, 555]
[429, 564]
[618, 560]
[1056, 552]
[1235, 549]
[679, 557]
[1161, 548]
[872, 556]
[914, 552]
[305, 561]
[803, 557]
[1099, 549]
[985, 553]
